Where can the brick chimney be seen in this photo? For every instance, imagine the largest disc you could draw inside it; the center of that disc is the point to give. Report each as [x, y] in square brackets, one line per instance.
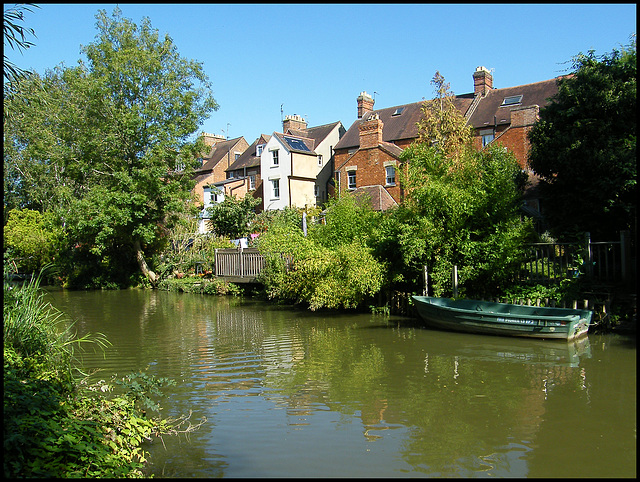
[365, 104]
[211, 139]
[293, 122]
[482, 81]
[370, 132]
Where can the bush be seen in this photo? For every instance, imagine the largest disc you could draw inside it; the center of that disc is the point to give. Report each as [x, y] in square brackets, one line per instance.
[302, 269]
[31, 239]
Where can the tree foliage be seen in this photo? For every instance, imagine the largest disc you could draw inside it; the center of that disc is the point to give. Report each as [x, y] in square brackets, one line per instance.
[31, 239]
[460, 209]
[15, 37]
[232, 217]
[100, 144]
[584, 147]
[331, 272]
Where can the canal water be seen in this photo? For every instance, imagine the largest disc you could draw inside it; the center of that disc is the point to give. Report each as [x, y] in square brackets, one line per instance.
[291, 393]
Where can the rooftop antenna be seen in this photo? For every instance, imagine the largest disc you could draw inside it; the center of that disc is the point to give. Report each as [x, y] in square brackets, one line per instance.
[228, 130]
[374, 97]
[281, 114]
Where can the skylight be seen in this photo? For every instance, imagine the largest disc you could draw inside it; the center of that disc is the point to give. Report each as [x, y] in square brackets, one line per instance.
[296, 144]
[512, 100]
[398, 111]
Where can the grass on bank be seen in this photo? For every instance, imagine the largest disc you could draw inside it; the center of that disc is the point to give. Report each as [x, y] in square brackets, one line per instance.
[57, 425]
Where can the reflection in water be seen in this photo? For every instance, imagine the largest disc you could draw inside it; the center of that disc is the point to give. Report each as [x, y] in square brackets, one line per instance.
[291, 393]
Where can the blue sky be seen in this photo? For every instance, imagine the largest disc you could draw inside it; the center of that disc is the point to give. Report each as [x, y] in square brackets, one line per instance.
[315, 59]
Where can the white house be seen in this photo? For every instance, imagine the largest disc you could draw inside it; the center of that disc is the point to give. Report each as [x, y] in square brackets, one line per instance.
[296, 165]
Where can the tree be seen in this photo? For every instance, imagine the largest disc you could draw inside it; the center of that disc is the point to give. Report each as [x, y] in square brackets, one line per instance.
[15, 37]
[584, 147]
[461, 208]
[232, 217]
[103, 146]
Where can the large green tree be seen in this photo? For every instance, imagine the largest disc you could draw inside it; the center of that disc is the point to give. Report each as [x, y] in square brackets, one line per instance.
[584, 147]
[107, 144]
[460, 208]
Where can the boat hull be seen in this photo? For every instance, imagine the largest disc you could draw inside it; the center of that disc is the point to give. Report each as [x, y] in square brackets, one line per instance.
[474, 316]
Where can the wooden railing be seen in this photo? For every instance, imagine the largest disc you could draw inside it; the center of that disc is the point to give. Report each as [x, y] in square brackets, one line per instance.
[609, 262]
[240, 265]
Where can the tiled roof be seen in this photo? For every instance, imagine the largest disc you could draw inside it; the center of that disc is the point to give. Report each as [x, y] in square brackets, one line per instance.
[248, 158]
[380, 198]
[218, 151]
[398, 126]
[489, 106]
[318, 133]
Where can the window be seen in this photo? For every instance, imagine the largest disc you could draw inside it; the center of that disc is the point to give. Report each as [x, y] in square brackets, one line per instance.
[486, 139]
[252, 181]
[512, 100]
[316, 191]
[320, 160]
[259, 150]
[236, 155]
[398, 111]
[487, 136]
[351, 179]
[274, 155]
[391, 175]
[275, 186]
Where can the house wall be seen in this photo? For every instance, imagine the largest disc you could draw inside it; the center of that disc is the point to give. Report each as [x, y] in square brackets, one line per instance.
[218, 173]
[270, 172]
[325, 171]
[301, 192]
[370, 170]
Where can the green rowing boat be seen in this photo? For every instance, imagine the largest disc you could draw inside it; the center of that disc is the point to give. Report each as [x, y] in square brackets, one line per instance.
[474, 316]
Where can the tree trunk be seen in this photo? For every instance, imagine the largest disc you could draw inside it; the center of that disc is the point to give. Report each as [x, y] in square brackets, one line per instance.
[151, 276]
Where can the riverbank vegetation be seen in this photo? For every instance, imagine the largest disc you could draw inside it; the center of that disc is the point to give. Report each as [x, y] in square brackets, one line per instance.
[55, 423]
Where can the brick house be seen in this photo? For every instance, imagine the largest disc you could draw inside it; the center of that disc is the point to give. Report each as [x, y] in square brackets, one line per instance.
[368, 152]
[222, 153]
[211, 179]
[245, 170]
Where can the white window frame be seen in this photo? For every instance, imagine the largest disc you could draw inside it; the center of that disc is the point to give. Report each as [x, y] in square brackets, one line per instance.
[275, 158]
[351, 179]
[275, 188]
[252, 182]
[320, 160]
[390, 175]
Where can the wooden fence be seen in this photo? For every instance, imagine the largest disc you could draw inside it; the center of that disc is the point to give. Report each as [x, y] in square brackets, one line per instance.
[241, 265]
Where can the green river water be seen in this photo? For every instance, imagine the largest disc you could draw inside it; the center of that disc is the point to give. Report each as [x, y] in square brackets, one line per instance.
[292, 393]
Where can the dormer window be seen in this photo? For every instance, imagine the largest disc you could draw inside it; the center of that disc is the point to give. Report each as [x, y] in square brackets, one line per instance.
[259, 150]
[512, 100]
[398, 111]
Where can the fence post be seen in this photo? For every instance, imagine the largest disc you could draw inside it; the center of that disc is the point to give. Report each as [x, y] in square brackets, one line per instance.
[425, 276]
[241, 260]
[455, 281]
[215, 261]
[589, 260]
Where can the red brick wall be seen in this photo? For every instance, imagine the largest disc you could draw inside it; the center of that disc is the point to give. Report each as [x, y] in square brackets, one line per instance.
[370, 170]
